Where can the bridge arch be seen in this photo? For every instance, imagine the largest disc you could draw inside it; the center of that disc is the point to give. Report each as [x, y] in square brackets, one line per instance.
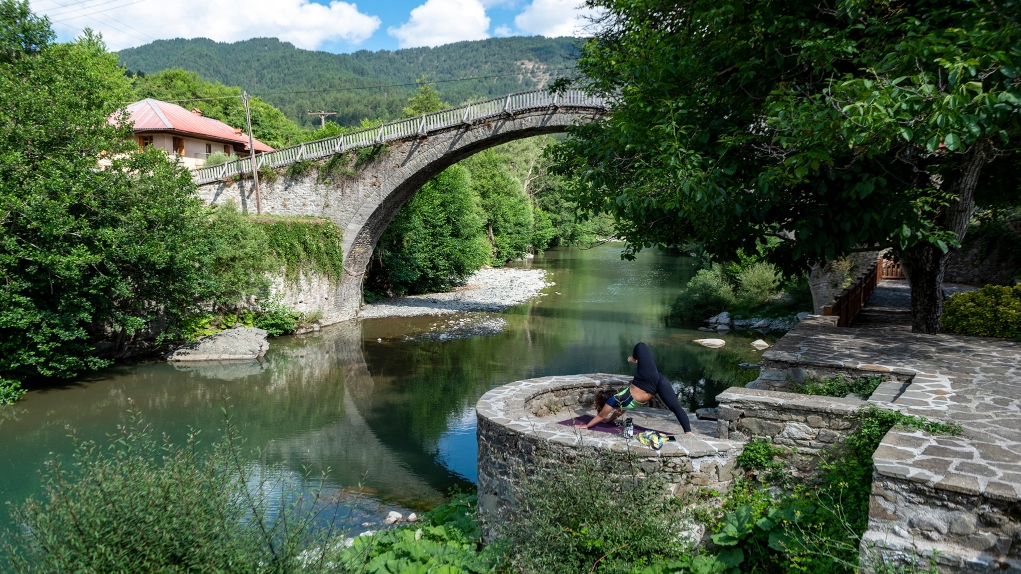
[364, 203]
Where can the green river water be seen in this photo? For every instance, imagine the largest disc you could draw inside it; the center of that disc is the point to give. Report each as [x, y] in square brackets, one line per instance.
[384, 414]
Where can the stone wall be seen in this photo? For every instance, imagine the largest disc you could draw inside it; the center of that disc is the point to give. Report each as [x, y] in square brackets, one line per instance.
[519, 435]
[958, 528]
[803, 423]
[310, 293]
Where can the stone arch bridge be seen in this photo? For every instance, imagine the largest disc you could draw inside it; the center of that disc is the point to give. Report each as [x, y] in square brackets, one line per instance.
[404, 155]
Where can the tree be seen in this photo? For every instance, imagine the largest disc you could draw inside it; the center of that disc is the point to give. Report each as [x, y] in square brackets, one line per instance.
[834, 126]
[435, 241]
[425, 100]
[86, 254]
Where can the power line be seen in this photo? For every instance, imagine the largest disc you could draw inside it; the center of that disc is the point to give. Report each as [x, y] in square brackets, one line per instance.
[66, 9]
[103, 10]
[91, 17]
[332, 90]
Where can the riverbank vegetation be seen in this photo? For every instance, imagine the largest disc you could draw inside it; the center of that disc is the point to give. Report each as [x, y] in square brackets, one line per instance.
[145, 503]
[93, 260]
[748, 286]
[872, 127]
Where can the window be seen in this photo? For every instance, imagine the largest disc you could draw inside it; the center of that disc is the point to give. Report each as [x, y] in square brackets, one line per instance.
[226, 149]
[209, 149]
[179, 146]
[144, 142]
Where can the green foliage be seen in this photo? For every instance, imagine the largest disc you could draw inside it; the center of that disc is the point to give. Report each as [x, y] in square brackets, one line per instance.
[815, 525]
[507, 210]
[758, 283]
[760, 454]
[303, 245]
[277, 319]
[425, 99]
[219, 102]
[839, 386]
[868, 117]
[299, 168]
[992, 311]
[448, 540]
[708, 293]
[551, 183]
[593, 512]
[10, 391]
[240, 258]
[217, 158]
[351, 83]
[83, 251]
[435, 241]
[366, 155]
[144, 504]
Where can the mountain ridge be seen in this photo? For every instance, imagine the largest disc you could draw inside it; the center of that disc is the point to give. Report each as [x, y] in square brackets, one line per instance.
[363, 84]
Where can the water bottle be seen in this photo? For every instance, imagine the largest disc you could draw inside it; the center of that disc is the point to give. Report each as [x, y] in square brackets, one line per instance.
[629, 427]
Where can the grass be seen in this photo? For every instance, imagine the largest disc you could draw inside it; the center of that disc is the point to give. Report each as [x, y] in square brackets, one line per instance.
[840, 385]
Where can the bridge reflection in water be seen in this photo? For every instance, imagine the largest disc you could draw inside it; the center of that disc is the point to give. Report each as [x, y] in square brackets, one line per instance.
[374, 407]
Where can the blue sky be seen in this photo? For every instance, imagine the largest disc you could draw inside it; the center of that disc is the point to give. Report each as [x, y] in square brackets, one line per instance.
[334, 26]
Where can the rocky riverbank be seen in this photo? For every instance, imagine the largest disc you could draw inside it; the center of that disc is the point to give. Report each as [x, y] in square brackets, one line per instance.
[487, 290]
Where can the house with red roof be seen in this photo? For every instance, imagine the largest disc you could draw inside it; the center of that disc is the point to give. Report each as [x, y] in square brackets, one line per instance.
[187, 134]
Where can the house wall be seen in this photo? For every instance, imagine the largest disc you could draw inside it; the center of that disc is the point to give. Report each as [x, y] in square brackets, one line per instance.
[194, 148]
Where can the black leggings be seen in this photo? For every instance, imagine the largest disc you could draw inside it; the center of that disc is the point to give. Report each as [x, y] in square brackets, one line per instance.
[666, 392]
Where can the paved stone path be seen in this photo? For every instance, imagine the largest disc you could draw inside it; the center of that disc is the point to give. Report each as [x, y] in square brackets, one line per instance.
[975, 382]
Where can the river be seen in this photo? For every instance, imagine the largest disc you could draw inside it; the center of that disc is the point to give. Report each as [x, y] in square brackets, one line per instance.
[386, 414]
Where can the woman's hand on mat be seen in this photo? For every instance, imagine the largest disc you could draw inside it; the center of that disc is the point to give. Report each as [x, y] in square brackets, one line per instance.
[581, 426]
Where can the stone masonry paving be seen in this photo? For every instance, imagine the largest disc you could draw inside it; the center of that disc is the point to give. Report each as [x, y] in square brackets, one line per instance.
[959, 496]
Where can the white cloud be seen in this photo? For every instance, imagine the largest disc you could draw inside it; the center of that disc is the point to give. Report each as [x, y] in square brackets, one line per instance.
[301, 22]
[503, 31]
[441, 22]
[553, 18]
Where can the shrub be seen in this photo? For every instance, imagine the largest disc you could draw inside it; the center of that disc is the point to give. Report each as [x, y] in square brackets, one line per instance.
[992, 311]
[594, 512]
[299, 168]
[143, 504]
[810, 525]
[277, 319]
[707, 294]
[758, 283]
[447, 540]
[435, 241]
[839, 386]
[10, 391]
[218, 158]
[760, 454]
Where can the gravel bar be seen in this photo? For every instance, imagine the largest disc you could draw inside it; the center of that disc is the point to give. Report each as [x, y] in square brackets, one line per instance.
[487, 290]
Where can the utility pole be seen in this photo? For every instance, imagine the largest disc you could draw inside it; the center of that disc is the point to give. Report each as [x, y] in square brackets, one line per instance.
[251, 147]
[322, 116]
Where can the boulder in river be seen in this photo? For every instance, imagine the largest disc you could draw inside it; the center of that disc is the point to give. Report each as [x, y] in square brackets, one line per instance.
[760, 344]
[711, 343]
[231, 345]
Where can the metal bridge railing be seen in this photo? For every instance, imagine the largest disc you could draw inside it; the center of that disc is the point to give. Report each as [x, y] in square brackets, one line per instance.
[401, 129]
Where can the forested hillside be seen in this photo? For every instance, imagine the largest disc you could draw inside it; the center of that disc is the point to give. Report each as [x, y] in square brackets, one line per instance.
[296, 81]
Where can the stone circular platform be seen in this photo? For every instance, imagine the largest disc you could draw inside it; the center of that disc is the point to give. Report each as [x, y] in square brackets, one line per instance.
[519, 429]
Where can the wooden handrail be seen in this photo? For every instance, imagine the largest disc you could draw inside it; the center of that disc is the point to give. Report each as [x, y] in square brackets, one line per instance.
[850, 302]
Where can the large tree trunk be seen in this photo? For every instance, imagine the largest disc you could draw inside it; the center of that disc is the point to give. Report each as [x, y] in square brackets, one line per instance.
[924, 263]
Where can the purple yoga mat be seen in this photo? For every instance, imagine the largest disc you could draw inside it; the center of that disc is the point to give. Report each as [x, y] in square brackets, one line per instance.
[602, 427]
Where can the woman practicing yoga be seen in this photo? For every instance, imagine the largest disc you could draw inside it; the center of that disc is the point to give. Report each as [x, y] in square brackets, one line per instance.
[647, 383]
